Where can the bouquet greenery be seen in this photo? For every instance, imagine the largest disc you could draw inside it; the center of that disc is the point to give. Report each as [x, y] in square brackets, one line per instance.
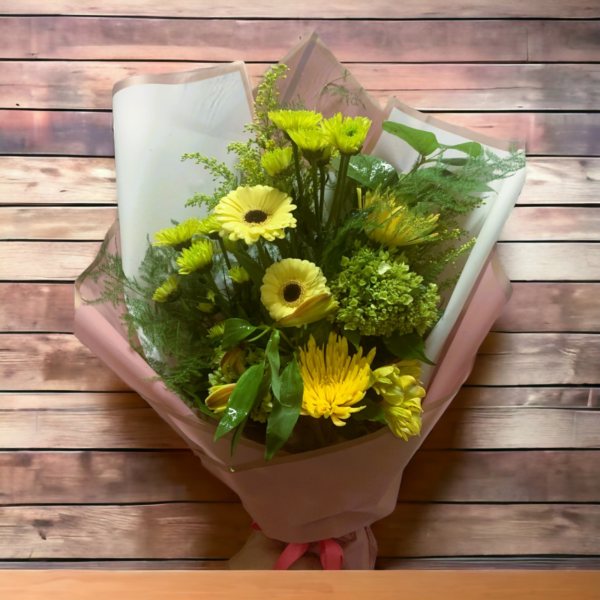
[296, 311]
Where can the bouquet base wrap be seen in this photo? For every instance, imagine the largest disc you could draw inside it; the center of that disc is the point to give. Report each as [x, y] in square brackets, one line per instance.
[314, 509]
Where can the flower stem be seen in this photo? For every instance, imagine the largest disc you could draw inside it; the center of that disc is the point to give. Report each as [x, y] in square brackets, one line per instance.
[298, 176]
[323, 171]
[263, 255]
[222, 244]
[315, 177]
[338, 198]
[210, 282]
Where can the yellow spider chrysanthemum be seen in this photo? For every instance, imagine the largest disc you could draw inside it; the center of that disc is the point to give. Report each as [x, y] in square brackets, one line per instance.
[249, 213]
[277, 161]
[163, 292]
[216, 331]
[295, 119]
[289, 283]
[334, 382]
[401, 393]
[311, 141]
[239, 275]
[206, 307]
[209, 225]
[196, 258]
[347, 135]
[179, 234]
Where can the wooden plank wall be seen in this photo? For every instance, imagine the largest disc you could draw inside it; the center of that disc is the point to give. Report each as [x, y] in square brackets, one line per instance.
[91, 477]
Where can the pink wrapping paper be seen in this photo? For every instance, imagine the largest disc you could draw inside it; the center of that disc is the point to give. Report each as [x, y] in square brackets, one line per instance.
[335, 492]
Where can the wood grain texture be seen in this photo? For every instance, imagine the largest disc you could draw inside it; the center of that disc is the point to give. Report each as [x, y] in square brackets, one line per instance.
[216, 530]
[88, 85]
[95, 38]
[569, 41]
[88, 477]
[115, 421]
[538, 397]
[90, 133]
[312, 9]
[57, 180]
[60, 180]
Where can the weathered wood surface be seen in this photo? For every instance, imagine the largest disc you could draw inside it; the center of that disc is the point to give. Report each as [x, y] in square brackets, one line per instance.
[79, 133]
[312, 9]
[90, 477]
[218, 530]
[60, 180]
[88, 85]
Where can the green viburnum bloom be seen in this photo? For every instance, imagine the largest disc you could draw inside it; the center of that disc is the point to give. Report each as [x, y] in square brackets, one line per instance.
[277, 161]
[196, 258]
[239, 275]
[346, 134]
[295, 119]
[179, 234]
[166, 290]
[379, 295]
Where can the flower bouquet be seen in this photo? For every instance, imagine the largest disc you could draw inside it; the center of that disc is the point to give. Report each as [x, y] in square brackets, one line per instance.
[304, 322]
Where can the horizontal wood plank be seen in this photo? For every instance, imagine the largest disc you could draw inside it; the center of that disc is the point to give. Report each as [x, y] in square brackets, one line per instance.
[522, 261]
[532, 397]
[60, 180]
[88, 477]
[312, 9]
[90, 133]
[95, 38]
[215, 530]
[487, 87]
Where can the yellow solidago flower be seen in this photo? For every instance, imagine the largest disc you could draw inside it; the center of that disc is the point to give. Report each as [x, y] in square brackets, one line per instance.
[206, 307]
[333, 382]
[311, 141]
[209, 226]
[401, 393]
[216, 331]
[179, 234]
[398, 225]
[219, 397]
[277, 161]
[251, 212]
[295, 119]
[239, 275]
[346, 134]
[163, 292]
[288, 284]
[196, 258]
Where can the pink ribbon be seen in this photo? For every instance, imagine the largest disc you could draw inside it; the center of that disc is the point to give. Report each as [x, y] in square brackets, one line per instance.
[330, 553]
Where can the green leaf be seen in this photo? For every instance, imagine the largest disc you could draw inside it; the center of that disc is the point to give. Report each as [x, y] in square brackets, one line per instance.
[424, 142]
[286, 410]
[471, 148]
[456, 162]
[236, 330]
[407, 347]
[255, 271]
[372, 412]
[353, 336]
[272, 354]
[237, 434]
[371, 172]
[242, 400]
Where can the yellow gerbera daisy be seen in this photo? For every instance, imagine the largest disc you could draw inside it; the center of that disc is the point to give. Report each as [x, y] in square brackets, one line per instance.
[401, 393]
[209, 225]
[346, 134]
[311, 141]
[251, 212]
[239, 275]
[277, 161]
[333, 382]
[289, 283]
[163, 292]
[179, 234]
[196, 258]
[295, 119]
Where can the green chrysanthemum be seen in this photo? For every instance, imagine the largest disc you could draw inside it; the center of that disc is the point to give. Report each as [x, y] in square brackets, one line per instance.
[239, 275]
[288, 120]
[165, 291]
[179, 234]
[312, 142]
[346, 134]
[196, 258]
[206, 307]
[217, 331]
[209, 225]
[277, 161]
[379, 295]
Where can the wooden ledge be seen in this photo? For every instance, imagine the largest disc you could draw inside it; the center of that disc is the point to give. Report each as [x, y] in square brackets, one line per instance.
[297, 585]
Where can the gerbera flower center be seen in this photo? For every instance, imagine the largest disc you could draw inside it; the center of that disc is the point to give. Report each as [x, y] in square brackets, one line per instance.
[256, 216]
[292, 292]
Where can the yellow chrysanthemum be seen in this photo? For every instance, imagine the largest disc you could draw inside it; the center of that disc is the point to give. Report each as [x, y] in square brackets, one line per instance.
[163, 292]
[277, 161]
[295, 119]
[401, 393]
[198, 257]
[251, 212]
[216, 331]
[179, 234]
[333, 381]
[346, 134]
[206, 307]
[239, 275]
[289, 283]
[209, 225]
[397, 225]
[311, 141]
